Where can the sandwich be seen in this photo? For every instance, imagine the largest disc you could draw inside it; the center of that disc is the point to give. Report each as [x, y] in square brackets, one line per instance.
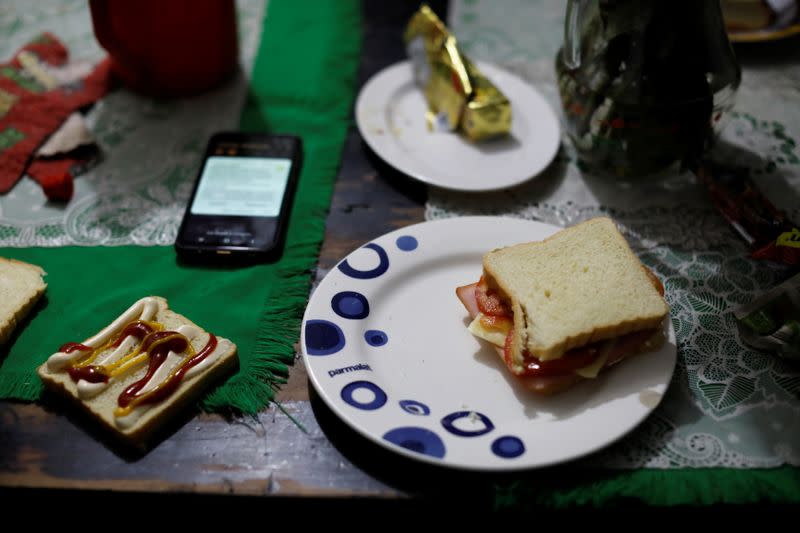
[561, 310]
[134, 375]
[21, 286]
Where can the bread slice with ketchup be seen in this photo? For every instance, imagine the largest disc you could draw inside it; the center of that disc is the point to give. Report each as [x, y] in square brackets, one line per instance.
[138, 372]
[563, 309]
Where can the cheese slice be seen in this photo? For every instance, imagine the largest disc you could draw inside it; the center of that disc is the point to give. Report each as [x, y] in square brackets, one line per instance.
[591, 371]
[496, 336]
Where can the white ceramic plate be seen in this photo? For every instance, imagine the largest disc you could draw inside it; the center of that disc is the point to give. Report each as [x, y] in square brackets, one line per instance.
[385, 343]
[390, 113]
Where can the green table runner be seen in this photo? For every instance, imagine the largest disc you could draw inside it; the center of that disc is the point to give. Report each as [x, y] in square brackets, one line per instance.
[568, 487]
[303, 83]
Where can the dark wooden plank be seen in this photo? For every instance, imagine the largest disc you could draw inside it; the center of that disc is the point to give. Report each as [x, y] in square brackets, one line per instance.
[48, 446]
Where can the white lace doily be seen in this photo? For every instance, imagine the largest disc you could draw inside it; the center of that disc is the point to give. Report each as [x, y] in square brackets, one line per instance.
[728, 405]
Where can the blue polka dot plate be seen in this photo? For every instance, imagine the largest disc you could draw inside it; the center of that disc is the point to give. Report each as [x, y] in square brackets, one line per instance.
[385, 343]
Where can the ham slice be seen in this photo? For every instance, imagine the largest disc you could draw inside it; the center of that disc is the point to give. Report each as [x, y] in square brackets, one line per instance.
[467, 296]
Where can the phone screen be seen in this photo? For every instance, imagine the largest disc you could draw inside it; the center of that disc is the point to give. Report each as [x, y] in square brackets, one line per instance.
[241, 186]
[241, 200]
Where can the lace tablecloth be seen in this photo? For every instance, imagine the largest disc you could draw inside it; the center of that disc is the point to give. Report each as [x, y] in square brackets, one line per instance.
[728, 405]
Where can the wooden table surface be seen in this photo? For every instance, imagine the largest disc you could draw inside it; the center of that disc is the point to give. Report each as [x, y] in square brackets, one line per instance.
[267, 460]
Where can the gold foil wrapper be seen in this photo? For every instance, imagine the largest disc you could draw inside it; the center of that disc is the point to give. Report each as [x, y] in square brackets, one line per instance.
[488, 112]
[459, 96]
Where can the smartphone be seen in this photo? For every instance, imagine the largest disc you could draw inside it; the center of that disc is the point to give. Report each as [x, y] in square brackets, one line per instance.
[242, 198]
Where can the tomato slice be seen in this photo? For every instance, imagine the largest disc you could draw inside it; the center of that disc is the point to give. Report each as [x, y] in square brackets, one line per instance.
[566, 364]
[571, 361]
[489, 302]
[496, 322]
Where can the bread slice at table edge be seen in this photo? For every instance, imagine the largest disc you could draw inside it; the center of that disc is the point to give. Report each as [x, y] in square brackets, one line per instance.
[21, 287]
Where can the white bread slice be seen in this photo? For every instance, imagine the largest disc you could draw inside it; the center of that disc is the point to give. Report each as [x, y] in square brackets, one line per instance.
[581, 285]
[21, 286]
[150, 417]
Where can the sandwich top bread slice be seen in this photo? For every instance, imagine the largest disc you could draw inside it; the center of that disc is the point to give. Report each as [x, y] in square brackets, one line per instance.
[21, 286]
[140, 370]
[562, 309]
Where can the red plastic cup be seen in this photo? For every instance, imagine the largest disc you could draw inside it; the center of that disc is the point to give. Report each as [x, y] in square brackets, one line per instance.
[168, 48]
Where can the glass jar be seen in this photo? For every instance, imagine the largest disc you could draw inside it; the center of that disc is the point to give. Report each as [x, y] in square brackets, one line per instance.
[645, 84]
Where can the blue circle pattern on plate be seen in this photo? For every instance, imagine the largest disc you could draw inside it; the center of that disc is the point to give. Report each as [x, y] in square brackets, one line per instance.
[376, 337]
[350, 304]
[407, 243]
[382, 267]
[449, 424]
[508, 447]
[414, 407]
[376, 403]
[416, 439]
[323, 337]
